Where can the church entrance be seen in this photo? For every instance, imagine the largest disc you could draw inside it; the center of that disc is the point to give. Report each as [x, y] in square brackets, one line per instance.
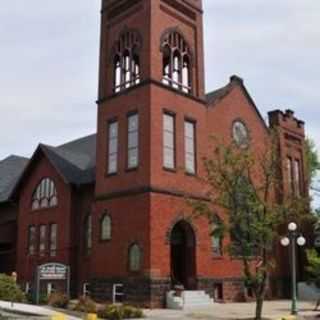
[183, 256]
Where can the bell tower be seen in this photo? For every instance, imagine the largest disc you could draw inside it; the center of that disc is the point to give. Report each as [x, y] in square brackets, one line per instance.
[151, 52]
[151, 40]
[151, 115]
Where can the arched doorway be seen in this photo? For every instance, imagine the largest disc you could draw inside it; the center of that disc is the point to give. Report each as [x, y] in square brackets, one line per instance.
[183, 255]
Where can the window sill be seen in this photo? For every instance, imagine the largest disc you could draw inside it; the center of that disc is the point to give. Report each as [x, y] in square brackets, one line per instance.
[109, 175]
[170, 169]
[134, 273]
[190, 174]
[43, 209]
[104, 241]
[132, 169]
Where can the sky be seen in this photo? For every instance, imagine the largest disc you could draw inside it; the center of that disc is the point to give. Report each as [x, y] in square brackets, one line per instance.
[49, 63]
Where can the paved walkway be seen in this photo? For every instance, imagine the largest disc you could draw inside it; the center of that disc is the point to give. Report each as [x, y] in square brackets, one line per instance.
[271, 310]
[28, 311]
[231, 311]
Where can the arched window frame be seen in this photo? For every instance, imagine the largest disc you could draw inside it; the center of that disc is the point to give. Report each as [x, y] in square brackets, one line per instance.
[126, 60]
[177, 61]
[106, 222]
[216, 236]
[88, 238]
[45, 195]
[135, 262]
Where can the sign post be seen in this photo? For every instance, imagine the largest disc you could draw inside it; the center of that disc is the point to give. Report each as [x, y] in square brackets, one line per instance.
[52, 272]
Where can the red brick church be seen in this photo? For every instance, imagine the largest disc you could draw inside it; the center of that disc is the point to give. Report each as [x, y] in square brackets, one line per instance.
[111, 206]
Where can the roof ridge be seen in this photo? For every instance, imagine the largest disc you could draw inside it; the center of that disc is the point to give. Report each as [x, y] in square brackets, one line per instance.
[64, 153]
[14, 156]
[76, 140]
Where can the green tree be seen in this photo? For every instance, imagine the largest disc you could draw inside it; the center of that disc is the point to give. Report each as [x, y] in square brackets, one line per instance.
[243, 185]
[313, 268]
[312, 163]
[9, 290]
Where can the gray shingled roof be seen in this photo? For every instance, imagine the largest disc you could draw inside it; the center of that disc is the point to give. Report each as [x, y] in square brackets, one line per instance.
[215, 95]
[75, 161]
[11, 169]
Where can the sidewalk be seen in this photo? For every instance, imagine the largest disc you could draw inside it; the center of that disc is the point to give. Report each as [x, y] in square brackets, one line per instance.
[30, 310]
[272, 310]
[230, 311]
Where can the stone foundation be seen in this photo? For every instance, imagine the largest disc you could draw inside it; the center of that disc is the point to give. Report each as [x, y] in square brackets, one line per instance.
[223, 290]
[142, 291]
[151, 293]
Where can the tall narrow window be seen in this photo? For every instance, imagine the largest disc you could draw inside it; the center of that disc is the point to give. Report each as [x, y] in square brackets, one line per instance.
[297, 178]
[168, 141]
[136, 69]
[133, 141]
[53, 240]
[190, 148]
[117, 74]
[127, 69]
[42, 240]
[135, 258]
[32, 240]
[113, 147]
[166, 65]
[88, 234]
[105, 228]
[186, 75]
[216, 236]
[289, 175]
[176, 70]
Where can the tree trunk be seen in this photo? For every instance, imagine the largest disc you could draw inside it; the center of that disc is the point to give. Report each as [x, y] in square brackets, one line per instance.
[259, 306]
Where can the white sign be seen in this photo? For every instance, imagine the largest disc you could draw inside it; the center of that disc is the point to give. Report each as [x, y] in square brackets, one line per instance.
[53, 271]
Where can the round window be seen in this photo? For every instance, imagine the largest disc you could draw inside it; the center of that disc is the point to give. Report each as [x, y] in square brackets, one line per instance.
[240, 134]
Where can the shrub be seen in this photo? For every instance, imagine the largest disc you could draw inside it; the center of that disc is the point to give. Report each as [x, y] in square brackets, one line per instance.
[43, 299]
[130, 312]
[114, 312]
[85, 304]
[313, 268]
[9, 290]
[111, 312]
[58, 300]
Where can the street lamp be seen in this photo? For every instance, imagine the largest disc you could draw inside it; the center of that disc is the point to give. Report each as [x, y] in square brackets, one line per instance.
[293, 239]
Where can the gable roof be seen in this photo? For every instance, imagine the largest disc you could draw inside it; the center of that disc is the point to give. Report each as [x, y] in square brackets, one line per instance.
[11, 169]
[75, 161]
[218, 94]
[215, 96]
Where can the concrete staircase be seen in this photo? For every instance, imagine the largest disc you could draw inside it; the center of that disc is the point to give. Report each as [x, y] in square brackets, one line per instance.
[188, 300]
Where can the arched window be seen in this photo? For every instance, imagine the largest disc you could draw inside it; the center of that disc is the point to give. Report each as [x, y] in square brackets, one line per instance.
[176, 61]
[135, 257]
[186, 74]
[106, 228]
[216, 235]
[117, 73]
[88, 234]
[126, 61]
[45, 195]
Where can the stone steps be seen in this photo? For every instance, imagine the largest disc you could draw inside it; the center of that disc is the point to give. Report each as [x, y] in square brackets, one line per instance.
[188, 300]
